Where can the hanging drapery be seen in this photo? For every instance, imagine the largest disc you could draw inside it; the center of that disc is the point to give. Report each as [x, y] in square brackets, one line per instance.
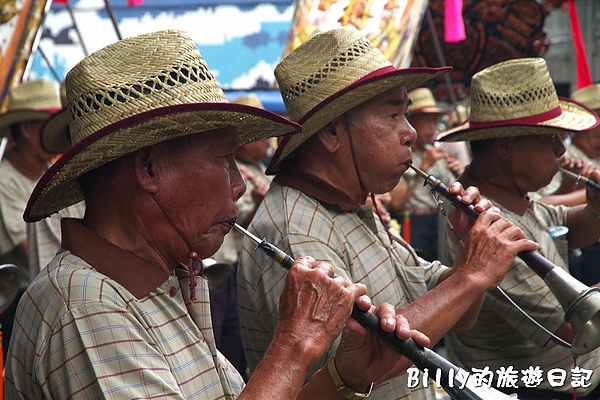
[19, 34]
[584, 76]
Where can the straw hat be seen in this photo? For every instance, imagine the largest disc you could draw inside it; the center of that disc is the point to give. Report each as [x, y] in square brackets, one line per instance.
[55, 136]
[30, 101]
[249, 100]
[135, 93]
[589, 96]
[423, 102]
[517, 98]
[332, 73]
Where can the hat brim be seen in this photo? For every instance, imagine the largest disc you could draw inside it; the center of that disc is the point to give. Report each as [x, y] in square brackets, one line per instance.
[573, 118]
[430, 110]
[16, 116]
[55, 133]
[58, 187]
[348, 98]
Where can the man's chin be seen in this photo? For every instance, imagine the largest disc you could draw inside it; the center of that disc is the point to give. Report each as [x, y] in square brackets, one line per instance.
[209, 245]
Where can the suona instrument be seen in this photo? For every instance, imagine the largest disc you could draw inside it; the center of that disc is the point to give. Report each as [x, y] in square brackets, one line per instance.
[453, 379]
[580, 178]
[580, 302]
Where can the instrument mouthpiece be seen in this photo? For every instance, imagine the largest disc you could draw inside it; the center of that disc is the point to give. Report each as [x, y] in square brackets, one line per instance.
[419, 171]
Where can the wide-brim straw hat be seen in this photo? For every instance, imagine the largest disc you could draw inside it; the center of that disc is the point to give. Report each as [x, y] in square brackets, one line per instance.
[423, 102]
[136, 93]
[329, 75]
[589, 96]
[30, 101]
[518, 98]
[249, 99]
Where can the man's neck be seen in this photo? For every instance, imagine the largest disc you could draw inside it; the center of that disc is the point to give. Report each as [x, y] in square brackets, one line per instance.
[493, 186]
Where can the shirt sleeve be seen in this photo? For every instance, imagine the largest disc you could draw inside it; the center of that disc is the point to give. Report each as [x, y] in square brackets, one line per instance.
[12, 205]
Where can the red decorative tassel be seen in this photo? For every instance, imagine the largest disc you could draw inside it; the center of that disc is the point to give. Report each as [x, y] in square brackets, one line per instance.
[454, 25]
[584, 77]
[406, 227]
[192, 263]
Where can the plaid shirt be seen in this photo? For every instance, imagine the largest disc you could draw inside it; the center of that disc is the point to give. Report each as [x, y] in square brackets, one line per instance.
[43, 237]
[503, 336]
[119, 330]
[353, 241]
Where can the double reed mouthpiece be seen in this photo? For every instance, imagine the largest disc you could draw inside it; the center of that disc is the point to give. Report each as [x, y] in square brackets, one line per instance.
[592, 184]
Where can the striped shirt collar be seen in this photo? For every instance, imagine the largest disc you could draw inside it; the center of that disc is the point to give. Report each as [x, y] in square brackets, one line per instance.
[316, 188]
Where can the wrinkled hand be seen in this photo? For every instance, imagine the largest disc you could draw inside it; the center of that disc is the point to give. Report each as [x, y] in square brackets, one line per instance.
[432, 154]
[454, 165]
[491, 247]
[260, 187]
[470, 196]
[362, 357]
[576, 165]
[314, 306]
[593, 196]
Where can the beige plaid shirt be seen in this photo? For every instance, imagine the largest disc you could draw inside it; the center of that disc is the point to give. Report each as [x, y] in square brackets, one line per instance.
[43, 237]
[126, 332]
[503, 336]
[355, 243]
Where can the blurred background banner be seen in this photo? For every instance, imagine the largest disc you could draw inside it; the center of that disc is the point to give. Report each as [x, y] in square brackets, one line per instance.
[391, 25]
[20, 23]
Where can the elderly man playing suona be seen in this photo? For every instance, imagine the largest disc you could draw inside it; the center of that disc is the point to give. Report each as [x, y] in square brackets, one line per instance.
[122, 311]
[356, 140]
[514, 132]
[585, 146]
[410, 194]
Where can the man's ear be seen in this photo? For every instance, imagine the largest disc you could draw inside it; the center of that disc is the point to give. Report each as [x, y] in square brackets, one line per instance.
[331, 134]
[145, 171]
[504, 147]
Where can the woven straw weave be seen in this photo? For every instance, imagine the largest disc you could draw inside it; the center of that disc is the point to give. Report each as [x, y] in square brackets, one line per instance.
[589, 96]
[422, 101]
[504, 92]
[30, 101]
[332, 73]
[514, 98]
[136, 93]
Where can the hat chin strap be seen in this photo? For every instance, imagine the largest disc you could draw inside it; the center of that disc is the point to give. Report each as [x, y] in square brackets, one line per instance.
[193, 264]
[356, 170]
[377, 211]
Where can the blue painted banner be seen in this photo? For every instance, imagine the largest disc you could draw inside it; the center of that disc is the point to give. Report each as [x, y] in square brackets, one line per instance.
[241, 40]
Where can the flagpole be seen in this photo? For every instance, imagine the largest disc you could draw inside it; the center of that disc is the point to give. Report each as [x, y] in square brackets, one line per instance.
[77, 31]
[111, 14]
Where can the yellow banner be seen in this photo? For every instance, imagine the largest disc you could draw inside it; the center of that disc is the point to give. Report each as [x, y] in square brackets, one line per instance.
[391, 25]
[19, 30]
